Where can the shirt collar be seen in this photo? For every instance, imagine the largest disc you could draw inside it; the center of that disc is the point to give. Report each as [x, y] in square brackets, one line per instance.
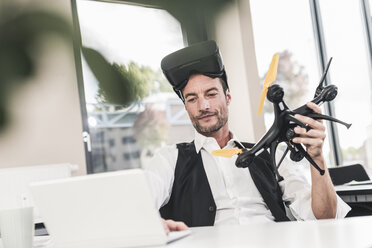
[201, 141]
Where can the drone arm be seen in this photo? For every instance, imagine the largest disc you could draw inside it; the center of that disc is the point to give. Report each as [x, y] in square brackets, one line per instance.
[246, 158]
[303, 110]
[295, 120]
[273, 147]
[317, 116]
[326, 95]
[282, 158]
[307, 156]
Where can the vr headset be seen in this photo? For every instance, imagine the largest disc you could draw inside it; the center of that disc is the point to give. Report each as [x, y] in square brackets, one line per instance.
[201, 58]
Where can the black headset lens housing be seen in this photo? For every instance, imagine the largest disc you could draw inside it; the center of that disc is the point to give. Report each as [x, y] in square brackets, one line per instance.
[201, 58]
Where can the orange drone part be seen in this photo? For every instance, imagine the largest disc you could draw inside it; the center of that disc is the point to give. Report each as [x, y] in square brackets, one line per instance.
[270, 77]
[227, 153]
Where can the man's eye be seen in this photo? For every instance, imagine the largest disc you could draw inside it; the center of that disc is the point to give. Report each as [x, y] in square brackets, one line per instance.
[212, 94]
[191, 99]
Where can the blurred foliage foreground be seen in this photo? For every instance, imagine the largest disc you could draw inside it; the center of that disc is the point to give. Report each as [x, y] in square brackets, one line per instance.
[22, 30]
[123, 84]
[20, 33]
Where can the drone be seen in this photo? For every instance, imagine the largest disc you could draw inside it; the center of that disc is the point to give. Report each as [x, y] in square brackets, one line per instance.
[282, 129]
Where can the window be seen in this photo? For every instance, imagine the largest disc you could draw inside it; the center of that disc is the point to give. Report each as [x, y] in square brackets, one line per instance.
[278, 30]
[126, 156]
[287, 28]
[128, 140]
[133, 39]
[345, 42]
[136, 155]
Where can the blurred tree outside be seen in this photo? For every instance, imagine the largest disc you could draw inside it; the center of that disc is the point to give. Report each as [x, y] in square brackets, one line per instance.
[294, 80]
[139, 82]
[134, 86]
[123, 84]
[150, 128]
[126, 85]
[354, 154]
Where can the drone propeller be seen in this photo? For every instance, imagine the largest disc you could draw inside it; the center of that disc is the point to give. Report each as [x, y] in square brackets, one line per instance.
[270, 77]
[228, 153]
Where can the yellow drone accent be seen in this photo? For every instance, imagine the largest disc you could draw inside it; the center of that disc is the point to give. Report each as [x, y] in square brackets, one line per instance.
[227, 153]
[270, 77]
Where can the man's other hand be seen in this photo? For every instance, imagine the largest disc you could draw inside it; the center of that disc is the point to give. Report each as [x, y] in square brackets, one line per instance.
[171, 225]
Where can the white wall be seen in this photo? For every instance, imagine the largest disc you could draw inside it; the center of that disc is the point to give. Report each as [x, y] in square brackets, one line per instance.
[46, 123]
[232, 30]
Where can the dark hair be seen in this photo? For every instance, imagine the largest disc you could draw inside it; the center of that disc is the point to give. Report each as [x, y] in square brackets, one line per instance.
[224, 85]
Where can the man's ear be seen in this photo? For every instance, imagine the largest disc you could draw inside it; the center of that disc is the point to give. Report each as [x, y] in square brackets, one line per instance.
[228, 97]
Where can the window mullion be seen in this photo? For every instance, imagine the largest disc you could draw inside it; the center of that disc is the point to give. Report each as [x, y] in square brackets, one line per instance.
[322, 57]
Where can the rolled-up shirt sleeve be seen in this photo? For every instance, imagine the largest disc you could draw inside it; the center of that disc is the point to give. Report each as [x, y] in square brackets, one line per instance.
[160, 174]
[297, 193]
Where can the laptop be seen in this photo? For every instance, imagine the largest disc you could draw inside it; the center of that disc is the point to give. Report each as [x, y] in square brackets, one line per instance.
[112, 210]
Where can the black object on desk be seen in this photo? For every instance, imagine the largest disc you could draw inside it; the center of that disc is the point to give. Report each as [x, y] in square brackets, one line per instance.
[344, 174]
[40, 230]
[358, 195]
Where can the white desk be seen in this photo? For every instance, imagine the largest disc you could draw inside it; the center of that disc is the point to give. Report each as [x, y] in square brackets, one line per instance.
[351, 232]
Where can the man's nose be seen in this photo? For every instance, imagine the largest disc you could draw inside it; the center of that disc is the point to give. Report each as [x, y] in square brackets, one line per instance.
[204, 104]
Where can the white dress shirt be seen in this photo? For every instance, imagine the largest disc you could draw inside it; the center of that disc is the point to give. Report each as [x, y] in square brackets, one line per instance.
[236, 196]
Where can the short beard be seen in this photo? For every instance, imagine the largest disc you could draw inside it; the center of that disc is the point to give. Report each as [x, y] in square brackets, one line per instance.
[221, 121]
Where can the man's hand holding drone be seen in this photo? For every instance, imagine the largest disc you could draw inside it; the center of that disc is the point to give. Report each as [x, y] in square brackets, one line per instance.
[324, 202]
[314, 138]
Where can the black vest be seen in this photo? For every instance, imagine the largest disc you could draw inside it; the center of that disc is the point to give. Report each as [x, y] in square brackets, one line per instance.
[191, 199]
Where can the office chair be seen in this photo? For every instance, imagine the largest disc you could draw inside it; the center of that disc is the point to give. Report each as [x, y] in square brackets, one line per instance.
[344, 174]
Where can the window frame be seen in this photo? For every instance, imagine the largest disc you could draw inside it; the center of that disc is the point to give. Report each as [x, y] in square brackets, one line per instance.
[197, 35]
[323, 60]
[200, 35]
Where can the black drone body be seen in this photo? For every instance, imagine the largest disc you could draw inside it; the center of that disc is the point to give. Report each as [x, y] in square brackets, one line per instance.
[282, 130]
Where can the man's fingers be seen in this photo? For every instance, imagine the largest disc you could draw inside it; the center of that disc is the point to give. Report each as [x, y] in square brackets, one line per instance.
[311, 122]
[176, 225]
[314, 138]
[312, 133]
[309, 141]
[181, 226]
[314, 107]
[317, 124]
[165, 225]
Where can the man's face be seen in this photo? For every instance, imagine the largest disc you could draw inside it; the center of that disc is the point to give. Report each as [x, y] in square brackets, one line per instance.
[206, 103]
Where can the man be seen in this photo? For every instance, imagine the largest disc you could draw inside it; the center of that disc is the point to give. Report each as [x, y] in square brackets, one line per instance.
[192, 186]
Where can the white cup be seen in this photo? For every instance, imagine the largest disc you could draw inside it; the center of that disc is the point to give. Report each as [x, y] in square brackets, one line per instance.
[17, 227]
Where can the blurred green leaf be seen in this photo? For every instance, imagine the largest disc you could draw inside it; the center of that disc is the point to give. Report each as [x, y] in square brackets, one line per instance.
[123, 84]
[20, 31]
[116, 84]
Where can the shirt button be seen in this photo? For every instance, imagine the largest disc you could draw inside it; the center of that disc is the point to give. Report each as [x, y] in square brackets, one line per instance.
[211, 209]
